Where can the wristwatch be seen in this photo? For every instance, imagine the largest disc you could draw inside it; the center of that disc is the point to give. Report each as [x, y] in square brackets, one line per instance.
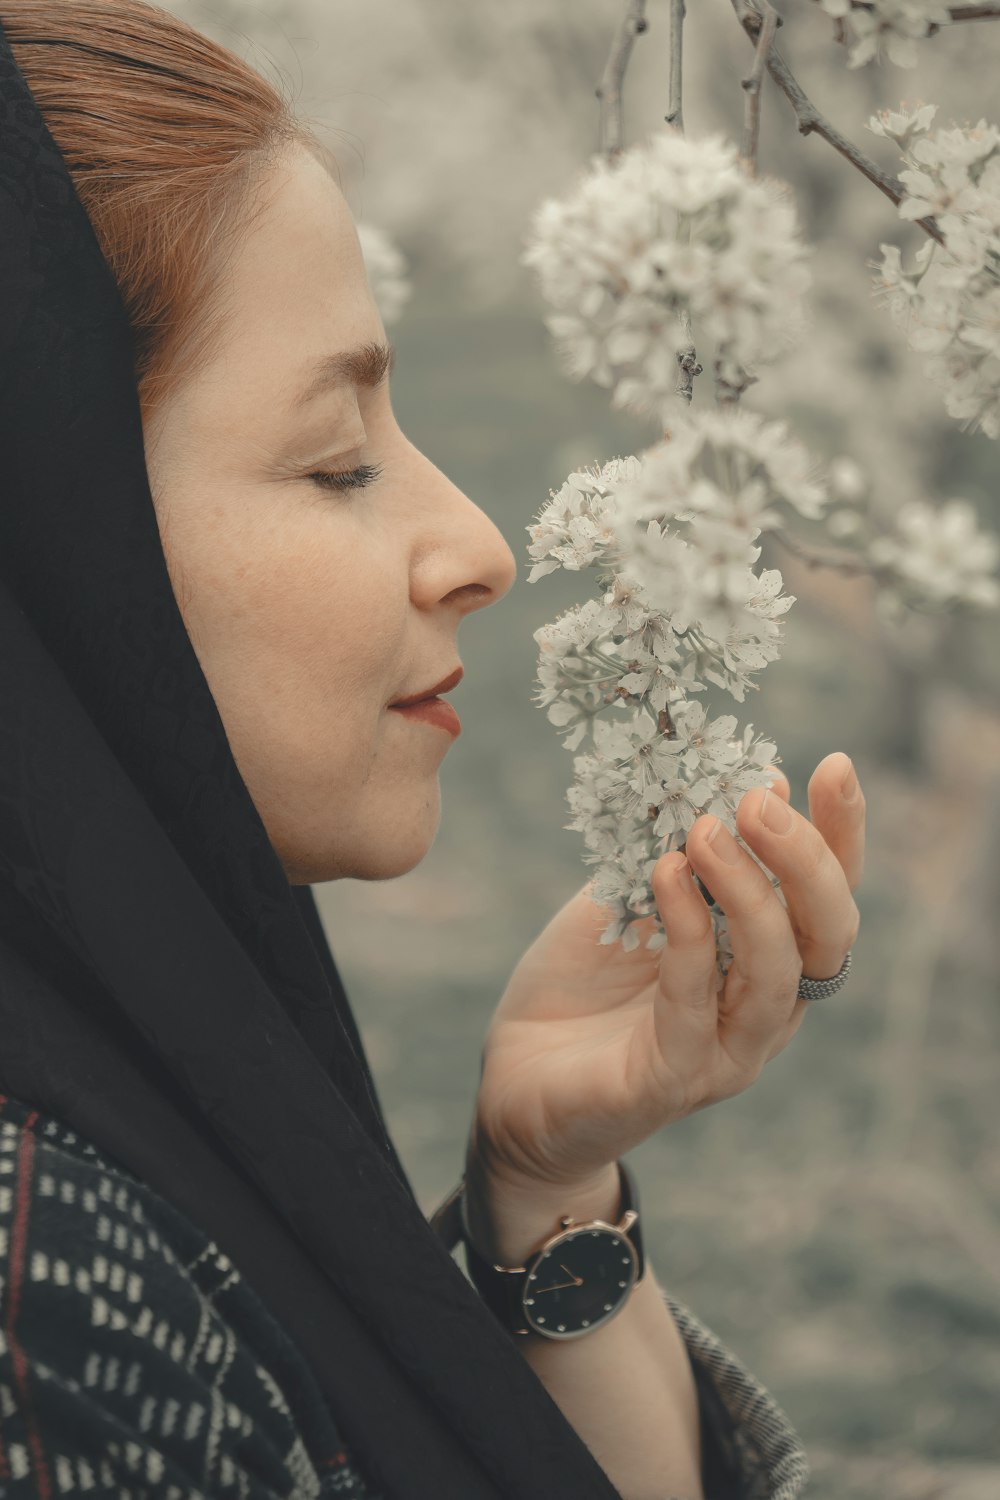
[574, 1282]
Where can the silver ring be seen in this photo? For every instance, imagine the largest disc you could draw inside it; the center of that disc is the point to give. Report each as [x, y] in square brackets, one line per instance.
[818, 989]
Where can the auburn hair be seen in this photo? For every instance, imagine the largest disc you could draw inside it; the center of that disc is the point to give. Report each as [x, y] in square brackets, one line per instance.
[166, 135]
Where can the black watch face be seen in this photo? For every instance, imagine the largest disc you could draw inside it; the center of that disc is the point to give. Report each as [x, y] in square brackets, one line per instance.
[580, 1281]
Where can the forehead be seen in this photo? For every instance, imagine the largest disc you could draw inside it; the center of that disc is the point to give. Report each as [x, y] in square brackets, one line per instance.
[297, 287]
[300, 205]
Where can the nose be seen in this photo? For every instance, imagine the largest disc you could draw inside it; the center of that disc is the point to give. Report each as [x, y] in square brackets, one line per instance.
[495, 568]
[474, 564]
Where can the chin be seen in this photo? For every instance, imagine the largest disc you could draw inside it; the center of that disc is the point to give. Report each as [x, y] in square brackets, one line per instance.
[384, 854]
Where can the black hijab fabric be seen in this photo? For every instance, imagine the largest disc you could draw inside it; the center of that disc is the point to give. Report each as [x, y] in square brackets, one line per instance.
[163, 988]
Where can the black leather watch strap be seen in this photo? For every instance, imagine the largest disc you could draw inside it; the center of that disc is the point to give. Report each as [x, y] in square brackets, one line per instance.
[502, 1287]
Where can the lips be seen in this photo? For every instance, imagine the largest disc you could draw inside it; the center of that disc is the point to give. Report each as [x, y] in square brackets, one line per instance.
[431, 711]
[444, 686]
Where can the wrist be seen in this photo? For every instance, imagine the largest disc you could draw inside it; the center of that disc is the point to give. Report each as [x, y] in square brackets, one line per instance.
[508, 1219]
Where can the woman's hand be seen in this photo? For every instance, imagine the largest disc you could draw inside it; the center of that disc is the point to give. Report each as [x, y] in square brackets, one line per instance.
[591, 1049]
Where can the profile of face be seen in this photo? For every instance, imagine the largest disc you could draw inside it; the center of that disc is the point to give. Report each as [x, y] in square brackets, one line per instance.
[312, 608]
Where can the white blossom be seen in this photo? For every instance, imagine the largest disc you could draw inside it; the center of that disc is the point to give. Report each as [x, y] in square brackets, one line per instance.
[902, 125]
[949, 300]
[732, 463]
[899, 23]
[639, 795]
[940, 557]
[847, 480]
[720, 476]
[386, 267]
[843, 524]
[571, 531]
[849, 485]
[693, 612]
[670, 240]
[637, 261]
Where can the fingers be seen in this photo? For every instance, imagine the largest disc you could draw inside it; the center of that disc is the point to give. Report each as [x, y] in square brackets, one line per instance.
[754, 1007]
[779, 784]
[805, 926]
[813, 862]
[687, 964]
[760, 988]
[840, 820]
[685, 1016]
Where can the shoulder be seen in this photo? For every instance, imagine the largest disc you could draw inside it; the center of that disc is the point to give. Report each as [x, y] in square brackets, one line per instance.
[130, 1347]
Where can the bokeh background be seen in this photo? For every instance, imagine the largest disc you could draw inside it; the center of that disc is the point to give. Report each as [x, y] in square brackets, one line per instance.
[838, 1224]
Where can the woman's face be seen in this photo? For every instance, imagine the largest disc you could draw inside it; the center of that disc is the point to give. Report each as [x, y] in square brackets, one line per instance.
[311, 609]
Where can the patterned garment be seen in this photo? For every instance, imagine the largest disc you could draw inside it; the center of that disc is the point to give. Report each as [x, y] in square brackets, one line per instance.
[136, 1362]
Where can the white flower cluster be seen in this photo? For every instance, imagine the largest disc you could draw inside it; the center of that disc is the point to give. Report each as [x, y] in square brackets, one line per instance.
[572, 530]
[667, 242]
[386, 268]
[937, 558]
[670, 240]
[671, 537]
[900, 23]
[676, 612]
[949, 302]
[719, 476]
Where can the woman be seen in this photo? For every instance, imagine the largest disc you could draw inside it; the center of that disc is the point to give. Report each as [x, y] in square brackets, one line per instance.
[216, 1277]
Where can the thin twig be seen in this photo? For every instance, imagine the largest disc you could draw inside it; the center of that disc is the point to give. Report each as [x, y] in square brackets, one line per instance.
[752, 83]
[848, 563]
[973, 13]
[687, 357]
[687, 363]
[675, 98]
[609, 90]
[612, 125]
[809, 119]
[840, 31]
[728, 392]
[956, 12]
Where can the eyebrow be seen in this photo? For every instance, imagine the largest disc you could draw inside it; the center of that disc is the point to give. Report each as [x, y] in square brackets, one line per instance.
[367, 365]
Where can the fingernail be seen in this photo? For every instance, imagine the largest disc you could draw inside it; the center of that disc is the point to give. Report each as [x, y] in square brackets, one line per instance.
[724, 846]
[683, 873]
[849, 786]
[774, 814]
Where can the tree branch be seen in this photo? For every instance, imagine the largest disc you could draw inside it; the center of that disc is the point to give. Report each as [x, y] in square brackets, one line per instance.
[609, 90]
[687, 363]
[751, 117]
[687, 358]
[987, 12]
[838, 562]
[809, 119]
[675, 106]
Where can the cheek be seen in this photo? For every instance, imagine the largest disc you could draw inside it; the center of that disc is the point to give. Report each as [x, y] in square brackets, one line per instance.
[299, 633]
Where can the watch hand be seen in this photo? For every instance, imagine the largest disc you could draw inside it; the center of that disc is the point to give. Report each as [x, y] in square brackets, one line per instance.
[561, 1286]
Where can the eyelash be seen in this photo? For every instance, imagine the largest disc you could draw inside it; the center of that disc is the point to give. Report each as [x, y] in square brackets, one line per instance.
[348, 479]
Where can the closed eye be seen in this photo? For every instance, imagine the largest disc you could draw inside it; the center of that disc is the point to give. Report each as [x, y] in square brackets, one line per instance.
[347, 479]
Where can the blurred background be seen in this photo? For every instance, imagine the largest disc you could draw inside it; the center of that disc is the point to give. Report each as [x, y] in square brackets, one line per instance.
[838, 1224]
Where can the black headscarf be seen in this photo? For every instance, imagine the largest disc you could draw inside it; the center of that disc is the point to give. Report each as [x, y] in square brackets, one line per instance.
[163, 988]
